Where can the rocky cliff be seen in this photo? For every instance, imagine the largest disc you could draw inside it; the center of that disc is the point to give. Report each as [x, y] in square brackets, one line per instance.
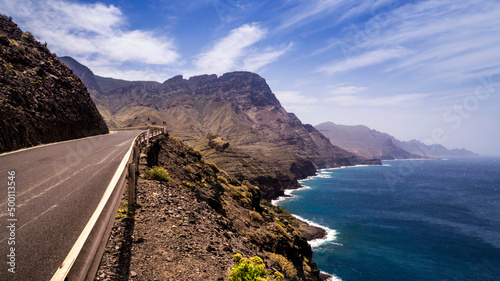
[264, 143]
[41, 100]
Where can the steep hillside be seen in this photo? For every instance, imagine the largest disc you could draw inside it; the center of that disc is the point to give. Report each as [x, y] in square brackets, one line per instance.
[364, 141]
[190, 225]
[265, 144]
[41, 100]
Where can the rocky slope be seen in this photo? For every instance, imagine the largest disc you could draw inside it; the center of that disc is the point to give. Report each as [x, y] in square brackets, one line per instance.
[41, 100]
[264, 143]
[190, 226]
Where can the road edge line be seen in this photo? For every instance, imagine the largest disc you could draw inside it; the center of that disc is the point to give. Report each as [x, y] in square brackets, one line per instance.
[63, 269]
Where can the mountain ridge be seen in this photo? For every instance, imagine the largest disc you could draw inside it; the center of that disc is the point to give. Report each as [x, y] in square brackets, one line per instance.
[267, 145]
[371, 143]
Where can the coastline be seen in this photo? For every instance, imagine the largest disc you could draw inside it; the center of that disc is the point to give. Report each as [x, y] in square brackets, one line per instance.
[314, 233]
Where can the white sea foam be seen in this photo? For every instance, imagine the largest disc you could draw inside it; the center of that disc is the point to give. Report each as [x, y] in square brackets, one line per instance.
[332, 278]
[288, 194]
[331, 234]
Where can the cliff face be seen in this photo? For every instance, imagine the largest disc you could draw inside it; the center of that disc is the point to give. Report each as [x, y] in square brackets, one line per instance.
[41, 100]
[191, 226]
[265, 144]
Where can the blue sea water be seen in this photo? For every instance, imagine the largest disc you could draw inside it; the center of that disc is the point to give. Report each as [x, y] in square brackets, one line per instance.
[406, 220]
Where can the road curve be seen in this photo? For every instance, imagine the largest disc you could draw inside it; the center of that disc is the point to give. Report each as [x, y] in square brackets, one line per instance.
[58, 187]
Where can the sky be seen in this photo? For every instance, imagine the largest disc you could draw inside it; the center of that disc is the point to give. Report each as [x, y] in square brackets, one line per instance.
[426, 70]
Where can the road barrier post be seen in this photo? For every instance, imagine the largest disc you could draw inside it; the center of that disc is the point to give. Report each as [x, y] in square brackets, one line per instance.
[131, 186]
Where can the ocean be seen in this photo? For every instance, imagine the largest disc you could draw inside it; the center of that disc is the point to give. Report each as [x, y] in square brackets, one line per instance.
[405, 220]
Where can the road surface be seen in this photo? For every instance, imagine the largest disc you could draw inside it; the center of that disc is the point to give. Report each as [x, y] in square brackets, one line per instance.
[57, 188]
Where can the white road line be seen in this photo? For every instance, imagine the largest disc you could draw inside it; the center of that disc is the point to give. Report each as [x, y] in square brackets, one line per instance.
[64, 268]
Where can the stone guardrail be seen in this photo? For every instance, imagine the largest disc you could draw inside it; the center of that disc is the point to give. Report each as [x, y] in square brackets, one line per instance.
[85, 256]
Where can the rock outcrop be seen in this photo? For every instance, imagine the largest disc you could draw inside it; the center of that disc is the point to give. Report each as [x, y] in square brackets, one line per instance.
[41, 100]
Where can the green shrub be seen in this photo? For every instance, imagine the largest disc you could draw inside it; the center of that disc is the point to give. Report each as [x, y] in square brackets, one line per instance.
[286, 265]
[176, 141]
[248, 269]
[279, 275]
[281, 230]
[222, 179]
[252, 269]
[214, 167]
[122, 210]
[256, 216]
[196, 153]
[157, 173]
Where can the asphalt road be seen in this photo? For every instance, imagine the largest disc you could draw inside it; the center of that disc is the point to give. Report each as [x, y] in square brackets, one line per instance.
[57, 188]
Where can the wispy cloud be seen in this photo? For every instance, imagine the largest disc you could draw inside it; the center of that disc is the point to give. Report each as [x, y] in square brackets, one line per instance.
[296, 101]
[259, 60]
[308, 11]
[453, 40]
[358, 96]
[294, 97]
[346, 90]
[95, 33]
[442, 40]
[236, 52]
[403, 100]
[362, 60]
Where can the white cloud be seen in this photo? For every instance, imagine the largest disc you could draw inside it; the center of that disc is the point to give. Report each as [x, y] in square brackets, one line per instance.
[150, 73]
[296, 101]
[346, 90]
[227, 51]
[139, 46]
[258, 60]
[235, 52]
[402, 100]
[95, 33]
[294, 97]
[365, 59]
[97, 18]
